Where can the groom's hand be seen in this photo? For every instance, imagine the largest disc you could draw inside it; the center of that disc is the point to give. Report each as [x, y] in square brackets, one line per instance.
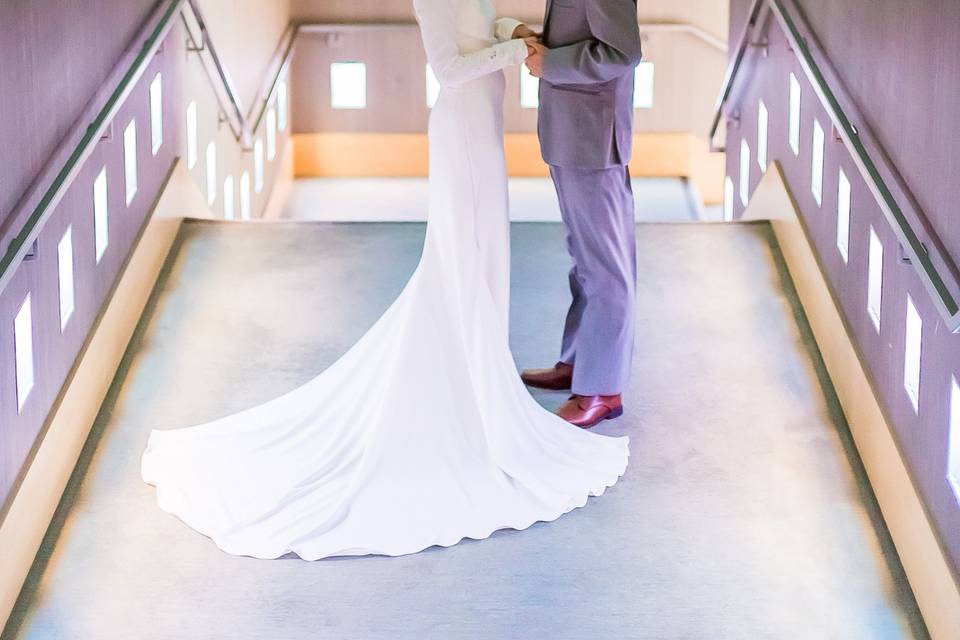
[535, 60]
[523, 32]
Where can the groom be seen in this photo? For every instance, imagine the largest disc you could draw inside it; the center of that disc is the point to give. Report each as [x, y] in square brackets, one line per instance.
[586, 65]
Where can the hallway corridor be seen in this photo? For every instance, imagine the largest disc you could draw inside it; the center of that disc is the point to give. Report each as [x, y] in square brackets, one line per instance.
[744, 512]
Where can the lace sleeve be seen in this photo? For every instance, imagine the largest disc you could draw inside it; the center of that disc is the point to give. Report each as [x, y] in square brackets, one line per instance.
[438, 28]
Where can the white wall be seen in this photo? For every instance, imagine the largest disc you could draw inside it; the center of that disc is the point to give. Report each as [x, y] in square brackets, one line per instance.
[246, 34]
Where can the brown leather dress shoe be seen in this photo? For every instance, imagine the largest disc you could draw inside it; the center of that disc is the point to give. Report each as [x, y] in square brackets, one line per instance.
[557, 378]
[589, 411]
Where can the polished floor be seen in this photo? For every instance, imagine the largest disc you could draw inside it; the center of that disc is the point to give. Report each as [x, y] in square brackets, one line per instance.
[744, 513]
[531, 200]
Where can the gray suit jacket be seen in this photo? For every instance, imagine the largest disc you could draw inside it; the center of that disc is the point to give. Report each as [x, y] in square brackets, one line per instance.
[586, 93]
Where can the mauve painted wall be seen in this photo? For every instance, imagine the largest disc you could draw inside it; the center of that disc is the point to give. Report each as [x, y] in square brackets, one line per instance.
[54, 55]
[100, 37]
[54, 350]
[901, 63]
[899, 116]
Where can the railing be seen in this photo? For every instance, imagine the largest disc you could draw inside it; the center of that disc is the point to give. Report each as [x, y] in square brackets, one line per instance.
[22, 227]
[242, 125]
[47, 191]
[921, 245]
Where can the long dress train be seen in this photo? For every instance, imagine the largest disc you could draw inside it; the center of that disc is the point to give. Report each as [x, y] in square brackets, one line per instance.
[422, 434]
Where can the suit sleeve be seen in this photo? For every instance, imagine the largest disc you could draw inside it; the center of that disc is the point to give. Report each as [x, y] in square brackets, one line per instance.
[613, 51]
[438, 28]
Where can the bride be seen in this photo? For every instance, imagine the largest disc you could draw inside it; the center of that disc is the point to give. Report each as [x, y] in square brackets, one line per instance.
[422, 434]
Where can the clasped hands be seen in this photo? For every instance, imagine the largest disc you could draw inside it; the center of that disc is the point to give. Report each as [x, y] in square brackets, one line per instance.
[535, 48]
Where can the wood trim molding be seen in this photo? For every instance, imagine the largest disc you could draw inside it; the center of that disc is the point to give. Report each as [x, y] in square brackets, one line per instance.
[927, 567]
[406, 155]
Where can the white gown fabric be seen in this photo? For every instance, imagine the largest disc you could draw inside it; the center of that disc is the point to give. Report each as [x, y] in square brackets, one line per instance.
[422, 434]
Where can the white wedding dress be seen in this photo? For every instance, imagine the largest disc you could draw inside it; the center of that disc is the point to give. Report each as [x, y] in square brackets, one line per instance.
[422, 434]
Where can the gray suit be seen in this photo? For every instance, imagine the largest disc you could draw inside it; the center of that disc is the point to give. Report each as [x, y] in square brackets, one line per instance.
[586, 135]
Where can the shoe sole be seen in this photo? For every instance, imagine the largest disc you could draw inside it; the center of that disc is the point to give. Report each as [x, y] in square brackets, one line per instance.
[616, 413]
[548, 387]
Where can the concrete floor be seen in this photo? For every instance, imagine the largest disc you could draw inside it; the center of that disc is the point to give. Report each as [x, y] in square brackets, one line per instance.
[531, 200]
[744, 513]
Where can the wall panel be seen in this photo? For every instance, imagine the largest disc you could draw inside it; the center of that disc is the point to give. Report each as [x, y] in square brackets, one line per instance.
[54, 55]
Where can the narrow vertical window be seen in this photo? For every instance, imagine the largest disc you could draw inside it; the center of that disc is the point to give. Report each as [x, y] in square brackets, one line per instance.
[130, 160]
[529, 89]
[763, 129]
[101, 216]
[744, 172]
[271, 134]
[644, 85]
[816, 168]
[283, 105]
[953, 464]
[912, 354]
[728, 199]
[193, 144]
[156, 114]
[843, 216]
[433, 87]
[258, 165]
[875, 279]
[228, 198]
[794, 126]
[65, 277]
[245, 196]
[211, 173]
[23, 351]
[348, 85]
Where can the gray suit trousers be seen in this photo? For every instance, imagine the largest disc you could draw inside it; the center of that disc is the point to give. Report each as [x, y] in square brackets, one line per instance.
[598, 211]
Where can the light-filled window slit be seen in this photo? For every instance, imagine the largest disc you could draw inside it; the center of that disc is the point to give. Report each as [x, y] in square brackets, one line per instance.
[644, 85]
[348, 85]
[130, 161]
[156, 114]
[245, 211]
[65, 281]
[529, 89]
[258, 162]
[101, 214]
[794, 115]
[875, 279]
[211, 173]
[728, 196]
[193, 143]
[816, 168]
[744, 172]
[763, 129]
[23, 351]
[843, 216]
